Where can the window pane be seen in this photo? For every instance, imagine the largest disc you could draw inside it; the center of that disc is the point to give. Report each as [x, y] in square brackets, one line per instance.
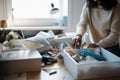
[37, 12]
[34, 8]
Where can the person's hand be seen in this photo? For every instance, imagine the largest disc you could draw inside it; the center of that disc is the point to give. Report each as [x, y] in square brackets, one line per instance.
[76, 42]
[92, 45]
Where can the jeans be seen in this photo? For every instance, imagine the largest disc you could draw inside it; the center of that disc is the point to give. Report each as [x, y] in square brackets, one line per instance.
[114, 49]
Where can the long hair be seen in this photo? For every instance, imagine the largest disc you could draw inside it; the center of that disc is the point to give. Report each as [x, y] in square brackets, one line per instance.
[106, 4]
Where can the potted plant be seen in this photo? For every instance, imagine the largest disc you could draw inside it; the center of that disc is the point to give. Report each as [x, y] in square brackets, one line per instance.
[8, 37]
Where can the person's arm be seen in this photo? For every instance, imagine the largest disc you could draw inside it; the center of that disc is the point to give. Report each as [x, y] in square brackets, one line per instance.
[82, 25]
[80, 28]
[112, 38]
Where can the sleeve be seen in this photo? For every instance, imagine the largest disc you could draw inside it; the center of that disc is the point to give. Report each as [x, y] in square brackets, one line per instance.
[113, 37]
[82, 25]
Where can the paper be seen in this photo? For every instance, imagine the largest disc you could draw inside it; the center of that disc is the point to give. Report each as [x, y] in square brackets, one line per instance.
[32, 45]
[39, 38]
[45, 35]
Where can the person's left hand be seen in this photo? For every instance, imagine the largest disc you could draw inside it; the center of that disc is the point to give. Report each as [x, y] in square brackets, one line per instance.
[92, 45]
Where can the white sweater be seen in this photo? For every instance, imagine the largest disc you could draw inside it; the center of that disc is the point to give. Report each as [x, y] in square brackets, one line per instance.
[103, 26]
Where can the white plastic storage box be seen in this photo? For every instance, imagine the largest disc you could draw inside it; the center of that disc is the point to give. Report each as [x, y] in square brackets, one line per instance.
[108, 68]
[20, 61]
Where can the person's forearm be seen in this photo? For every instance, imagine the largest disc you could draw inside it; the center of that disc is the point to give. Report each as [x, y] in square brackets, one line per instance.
[109, 41]
[80, 29]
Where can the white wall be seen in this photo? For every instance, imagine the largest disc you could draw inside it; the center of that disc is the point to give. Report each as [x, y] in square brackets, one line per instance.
[1, 10]
[5, 9]
[75, 8]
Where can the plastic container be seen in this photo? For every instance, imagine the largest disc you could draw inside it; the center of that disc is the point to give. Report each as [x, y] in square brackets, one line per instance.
[95, 69]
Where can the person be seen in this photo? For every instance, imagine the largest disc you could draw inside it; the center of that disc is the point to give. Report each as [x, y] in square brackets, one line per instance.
[101, 20]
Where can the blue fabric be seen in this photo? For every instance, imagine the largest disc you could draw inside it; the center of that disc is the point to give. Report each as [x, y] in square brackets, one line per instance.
[97, 56]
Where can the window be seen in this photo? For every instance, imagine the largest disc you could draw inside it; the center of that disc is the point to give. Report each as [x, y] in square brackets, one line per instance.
[37, 13]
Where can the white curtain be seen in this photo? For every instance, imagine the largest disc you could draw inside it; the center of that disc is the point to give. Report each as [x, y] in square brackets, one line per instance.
[5, 13]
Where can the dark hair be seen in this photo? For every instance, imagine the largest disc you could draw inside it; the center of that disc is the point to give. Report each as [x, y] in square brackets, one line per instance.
[106, 4]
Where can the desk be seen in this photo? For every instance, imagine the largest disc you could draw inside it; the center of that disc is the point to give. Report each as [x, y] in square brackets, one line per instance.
[62, 74]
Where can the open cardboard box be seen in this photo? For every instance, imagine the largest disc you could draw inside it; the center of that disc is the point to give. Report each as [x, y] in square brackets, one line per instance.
[108, 68]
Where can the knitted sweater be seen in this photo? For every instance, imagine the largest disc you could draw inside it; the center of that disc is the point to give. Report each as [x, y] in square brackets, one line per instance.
[103, 26]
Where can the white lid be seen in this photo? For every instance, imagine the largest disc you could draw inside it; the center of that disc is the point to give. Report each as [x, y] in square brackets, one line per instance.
[19, 55]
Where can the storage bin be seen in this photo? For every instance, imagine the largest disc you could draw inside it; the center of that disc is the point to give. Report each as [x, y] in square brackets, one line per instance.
[87, 70]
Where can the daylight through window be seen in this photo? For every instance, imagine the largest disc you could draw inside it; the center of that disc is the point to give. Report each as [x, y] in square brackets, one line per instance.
[37, 12]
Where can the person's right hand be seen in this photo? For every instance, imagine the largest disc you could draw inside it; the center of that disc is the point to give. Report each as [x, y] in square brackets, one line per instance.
[76, 42]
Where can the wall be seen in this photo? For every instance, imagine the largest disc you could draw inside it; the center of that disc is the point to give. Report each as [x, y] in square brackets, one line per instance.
[75, 8]
[5, 9]
[1, 10]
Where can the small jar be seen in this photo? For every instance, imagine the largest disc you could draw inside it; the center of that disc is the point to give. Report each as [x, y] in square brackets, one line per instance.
[3, 23]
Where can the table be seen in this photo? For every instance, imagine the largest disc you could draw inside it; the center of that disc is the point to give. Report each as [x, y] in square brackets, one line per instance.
[62, 74]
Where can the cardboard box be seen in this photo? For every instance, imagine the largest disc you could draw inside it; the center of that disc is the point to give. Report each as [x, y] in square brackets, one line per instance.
[98, 69]
[20, 61]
